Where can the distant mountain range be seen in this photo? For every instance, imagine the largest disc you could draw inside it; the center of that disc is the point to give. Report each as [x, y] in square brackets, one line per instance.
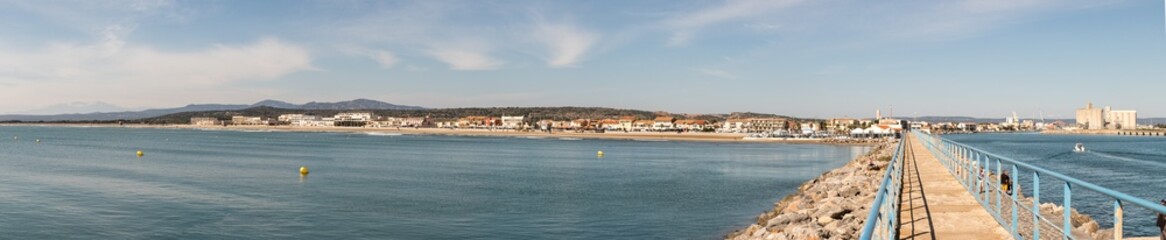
[76, 107]
[358, 104]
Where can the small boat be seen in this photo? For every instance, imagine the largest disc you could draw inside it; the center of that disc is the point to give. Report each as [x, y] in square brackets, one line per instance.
[1079, 148]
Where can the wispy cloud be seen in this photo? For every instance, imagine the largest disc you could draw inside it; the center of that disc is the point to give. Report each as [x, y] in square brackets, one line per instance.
[566, 44]
[426, 29]
[439, 31]
[108, 68]
[718, 73]
[880, 21]
[149, 5]
[385, 58]
[465, 59]
[685, 25]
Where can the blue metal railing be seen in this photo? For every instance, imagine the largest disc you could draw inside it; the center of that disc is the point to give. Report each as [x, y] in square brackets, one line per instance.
[973, 168]
[883, 218]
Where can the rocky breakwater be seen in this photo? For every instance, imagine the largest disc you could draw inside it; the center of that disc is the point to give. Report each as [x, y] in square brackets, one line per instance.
[831, 206]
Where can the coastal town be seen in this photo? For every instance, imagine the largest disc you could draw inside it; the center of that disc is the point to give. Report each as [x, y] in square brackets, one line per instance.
[1088, 118]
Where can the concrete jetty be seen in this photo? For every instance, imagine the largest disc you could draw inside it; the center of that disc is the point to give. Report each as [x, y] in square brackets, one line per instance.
[935, 205]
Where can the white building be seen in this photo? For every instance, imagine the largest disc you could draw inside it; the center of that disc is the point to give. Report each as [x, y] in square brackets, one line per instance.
[388, 122]
[298, 118]
[417, 122]
[664, 123]
[245, 120]
[353, 116]
[1106, 118]
[303, 120]
[736, 126]
[513, 122]
[205, 121]
[1122, 119]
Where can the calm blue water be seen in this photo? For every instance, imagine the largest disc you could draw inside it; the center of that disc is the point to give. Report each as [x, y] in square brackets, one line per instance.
[86, 183]
[1130, 164]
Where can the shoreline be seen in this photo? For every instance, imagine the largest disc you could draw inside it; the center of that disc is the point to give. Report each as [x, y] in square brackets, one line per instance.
[636, 136]
[832, 205]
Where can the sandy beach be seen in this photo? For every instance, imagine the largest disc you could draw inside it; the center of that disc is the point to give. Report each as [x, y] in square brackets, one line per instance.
[638, 136]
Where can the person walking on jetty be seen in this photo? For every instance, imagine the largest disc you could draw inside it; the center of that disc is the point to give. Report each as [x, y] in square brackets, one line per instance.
[1006, 183]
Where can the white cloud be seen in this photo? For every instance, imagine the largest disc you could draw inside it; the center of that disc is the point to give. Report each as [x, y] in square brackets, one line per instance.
[567, 44]
[150, 5]
[111, 69]
[763, 27]
[439, 30]
[425, 27]
[464, 59]
[718, 73]
[266, 59]
[385, 58]
[685, 25]
[415, 68]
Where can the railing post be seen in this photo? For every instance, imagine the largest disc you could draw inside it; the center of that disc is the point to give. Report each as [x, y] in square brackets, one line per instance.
[966, 165]
[982, 175]
[974, 163]
[1117, 219]
[1015, 213]
[1035, 205]
[1068, 211]
[985, 183]
[971, 170]
[976, 174]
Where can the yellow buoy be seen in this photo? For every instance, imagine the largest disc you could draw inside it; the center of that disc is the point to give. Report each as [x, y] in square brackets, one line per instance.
[600, 153]
[140, 153]
[303, 170]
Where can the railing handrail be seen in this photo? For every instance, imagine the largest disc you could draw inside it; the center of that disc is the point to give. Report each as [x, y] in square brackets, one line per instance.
[873, 217]
[1125, 198]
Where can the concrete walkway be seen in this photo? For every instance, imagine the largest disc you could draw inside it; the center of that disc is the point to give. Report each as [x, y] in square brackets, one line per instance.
[935, 206]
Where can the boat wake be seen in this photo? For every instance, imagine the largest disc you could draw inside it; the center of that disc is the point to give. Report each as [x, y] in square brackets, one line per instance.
[382, 134]
[1055, 156]
[1147, 162]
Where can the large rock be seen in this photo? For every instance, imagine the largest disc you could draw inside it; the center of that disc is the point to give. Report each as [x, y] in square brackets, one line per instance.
[827, 210]
[793, 206]
[839, 214]
[1089, 227]
[786, 219]
[849, 191]
[825, 220]
[761, 232]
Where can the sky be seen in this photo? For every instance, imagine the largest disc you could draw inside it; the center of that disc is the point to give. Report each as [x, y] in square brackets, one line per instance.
[821, 58]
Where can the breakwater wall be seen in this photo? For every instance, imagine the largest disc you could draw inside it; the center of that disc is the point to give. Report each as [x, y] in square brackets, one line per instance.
[830, 206]
[835, 204]
[1157, 133]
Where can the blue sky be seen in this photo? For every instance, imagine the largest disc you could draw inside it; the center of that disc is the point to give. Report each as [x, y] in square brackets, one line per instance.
[827, 58]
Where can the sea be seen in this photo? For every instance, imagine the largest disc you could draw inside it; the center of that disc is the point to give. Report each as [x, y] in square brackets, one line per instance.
[1135, 165]
[89, 183]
